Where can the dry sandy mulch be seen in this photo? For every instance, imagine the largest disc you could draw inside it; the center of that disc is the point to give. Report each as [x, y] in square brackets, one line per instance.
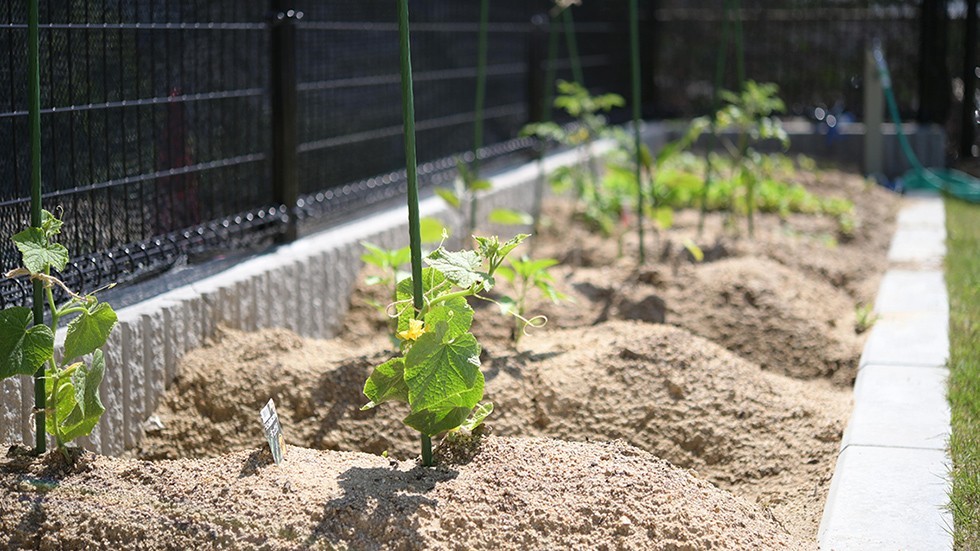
[762, 435]
[500, 494]
[775, 316]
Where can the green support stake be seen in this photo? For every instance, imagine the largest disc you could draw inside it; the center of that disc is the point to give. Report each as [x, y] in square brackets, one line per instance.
[34, 122]
[549, 78]
[637, 140]
[719, 77]
[739, 47]
[481, 93]
[572, 42]
[411, 171]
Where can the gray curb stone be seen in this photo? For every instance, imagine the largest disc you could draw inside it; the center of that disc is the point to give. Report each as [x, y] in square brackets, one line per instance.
[890, 486]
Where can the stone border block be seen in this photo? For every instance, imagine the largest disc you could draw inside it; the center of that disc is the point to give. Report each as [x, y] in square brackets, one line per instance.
[911, 339]
[887, 498]
[922, 212]
[154, 330]
[10, 413]
[113, 393]
[912, 291]
[919, 246]
[133, 379]
[899, 406]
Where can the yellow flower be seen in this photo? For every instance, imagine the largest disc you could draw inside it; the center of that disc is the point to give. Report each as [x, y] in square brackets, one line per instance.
[414, 331]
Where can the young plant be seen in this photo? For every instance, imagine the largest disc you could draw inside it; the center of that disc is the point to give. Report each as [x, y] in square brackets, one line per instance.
[749, 114]
[464, 193]
[865, 317]
[590, 124]
[71, 385]
[391, 261]
[525, 275]
[438, 372]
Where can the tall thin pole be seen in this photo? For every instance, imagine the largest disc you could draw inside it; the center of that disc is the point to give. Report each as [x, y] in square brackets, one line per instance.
[481, 93]
[739, 45]
[572, 43]
[34, 122]
[550, 68]
[637, 141]
[411, 171]
[282, 50]
[967, 123]
[712, 134]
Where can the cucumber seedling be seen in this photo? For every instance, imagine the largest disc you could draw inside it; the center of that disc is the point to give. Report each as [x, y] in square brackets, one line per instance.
[71, 384]
[525, 275]
[438, 371]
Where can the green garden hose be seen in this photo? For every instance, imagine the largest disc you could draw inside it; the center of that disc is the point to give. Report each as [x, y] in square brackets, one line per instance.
[956, 183]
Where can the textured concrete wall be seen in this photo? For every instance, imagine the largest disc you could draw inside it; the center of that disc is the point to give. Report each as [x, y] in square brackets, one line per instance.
[304, 286]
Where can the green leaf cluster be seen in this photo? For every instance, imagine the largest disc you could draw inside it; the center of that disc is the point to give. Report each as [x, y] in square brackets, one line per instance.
[464, 192]
[73, 406]
[680, 183]
[525, 275]
[438, 372]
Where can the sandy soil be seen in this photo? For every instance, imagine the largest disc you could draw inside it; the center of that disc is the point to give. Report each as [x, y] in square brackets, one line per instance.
[736, 368]
[765, 436]
[507, 493]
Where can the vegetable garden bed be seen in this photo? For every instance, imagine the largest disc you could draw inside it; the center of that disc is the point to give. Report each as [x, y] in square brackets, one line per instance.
[737, 367]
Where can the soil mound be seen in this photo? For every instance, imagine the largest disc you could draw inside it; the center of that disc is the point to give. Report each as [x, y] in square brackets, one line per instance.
[213, 405]
[773, 315]
[512, 494]
[762, 435]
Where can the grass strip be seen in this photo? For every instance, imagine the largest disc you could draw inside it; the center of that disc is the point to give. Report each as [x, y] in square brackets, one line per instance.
[963, 283]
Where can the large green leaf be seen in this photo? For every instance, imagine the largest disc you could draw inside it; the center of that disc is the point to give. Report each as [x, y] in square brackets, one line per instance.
[434, 421]
[431, 230]
[460, 267]
[60, 402]
[449, 196]
[386, 383]
[510, 217]
[38, 253]
[87, 407]
[455, 312]
[23, 349]
[89, 331]
[441, 372]
[50, 224]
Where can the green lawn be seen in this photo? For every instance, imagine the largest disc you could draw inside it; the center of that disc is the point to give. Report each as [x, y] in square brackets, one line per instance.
[963, 282]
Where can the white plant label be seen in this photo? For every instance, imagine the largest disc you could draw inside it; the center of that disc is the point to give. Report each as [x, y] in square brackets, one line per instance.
[273, 431]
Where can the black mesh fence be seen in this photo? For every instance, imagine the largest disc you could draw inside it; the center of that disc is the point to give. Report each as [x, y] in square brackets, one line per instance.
[814, 50]
[153, 130]
[157, 116]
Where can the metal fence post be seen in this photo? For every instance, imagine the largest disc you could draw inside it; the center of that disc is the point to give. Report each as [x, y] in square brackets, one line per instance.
[535, 68]
[874, 114]
[282, 60]
[968, 116]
